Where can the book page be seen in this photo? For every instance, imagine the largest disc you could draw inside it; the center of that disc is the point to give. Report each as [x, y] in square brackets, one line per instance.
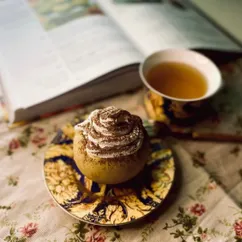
[43, 55]
[227, 14]
[92, 47]
[155, 26]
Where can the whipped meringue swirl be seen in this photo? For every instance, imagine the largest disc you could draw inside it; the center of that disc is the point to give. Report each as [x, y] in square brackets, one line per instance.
[112, 133]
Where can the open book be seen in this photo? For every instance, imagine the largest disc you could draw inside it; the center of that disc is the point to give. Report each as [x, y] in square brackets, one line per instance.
[57, 54]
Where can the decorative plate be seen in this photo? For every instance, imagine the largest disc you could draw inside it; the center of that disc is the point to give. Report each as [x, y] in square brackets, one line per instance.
[106, 205]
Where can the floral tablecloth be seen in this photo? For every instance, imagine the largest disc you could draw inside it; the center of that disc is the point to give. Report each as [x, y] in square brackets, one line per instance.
[203, 205]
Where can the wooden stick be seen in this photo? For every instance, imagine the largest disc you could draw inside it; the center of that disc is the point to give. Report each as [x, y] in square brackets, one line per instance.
[217, 137]
[163, 130]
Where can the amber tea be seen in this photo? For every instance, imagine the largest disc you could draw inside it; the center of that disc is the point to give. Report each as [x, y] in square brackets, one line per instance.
[177, 80]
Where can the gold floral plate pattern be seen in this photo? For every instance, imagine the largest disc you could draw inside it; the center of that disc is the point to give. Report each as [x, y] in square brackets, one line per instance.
[106, 205]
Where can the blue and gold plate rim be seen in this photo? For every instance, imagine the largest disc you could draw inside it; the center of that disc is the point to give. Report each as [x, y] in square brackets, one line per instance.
[106, 205]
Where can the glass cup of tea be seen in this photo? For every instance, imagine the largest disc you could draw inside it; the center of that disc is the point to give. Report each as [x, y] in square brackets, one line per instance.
[179, 83]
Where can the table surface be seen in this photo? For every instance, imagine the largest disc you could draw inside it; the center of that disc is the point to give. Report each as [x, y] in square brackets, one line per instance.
[204, 204]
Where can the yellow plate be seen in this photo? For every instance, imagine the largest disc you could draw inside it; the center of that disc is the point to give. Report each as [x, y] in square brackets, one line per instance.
[106, 205]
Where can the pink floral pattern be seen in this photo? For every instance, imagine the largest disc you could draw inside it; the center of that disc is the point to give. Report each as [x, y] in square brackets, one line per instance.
[39, 138]
[29, 230]
[204, 236]
[52, 203]
[238, 229]
[212, 185]
[198, 209]
[96, 234]
[96, 237]
[31, 134]
[14, 144]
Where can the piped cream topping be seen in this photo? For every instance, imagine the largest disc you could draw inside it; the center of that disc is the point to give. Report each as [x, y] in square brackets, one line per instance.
[111, 133]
